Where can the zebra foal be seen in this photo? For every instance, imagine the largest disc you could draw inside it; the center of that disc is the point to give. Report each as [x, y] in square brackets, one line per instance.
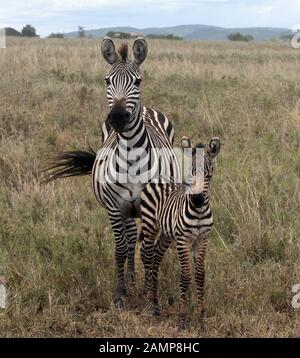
[179, 212]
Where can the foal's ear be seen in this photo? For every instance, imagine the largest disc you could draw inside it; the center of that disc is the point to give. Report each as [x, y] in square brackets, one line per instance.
[108, 51]
[185, 143]
[214, 147]
[140, 50]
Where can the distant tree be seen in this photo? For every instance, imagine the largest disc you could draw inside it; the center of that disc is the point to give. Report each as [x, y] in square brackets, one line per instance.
[172, 37]
[81, 32]
[164, 37]
[111, 34]
[239, 37]
[57, 35]
[136, 34]
[288, 36]
[119, 35]
[28, 31]
[249, 38]
[9, 31]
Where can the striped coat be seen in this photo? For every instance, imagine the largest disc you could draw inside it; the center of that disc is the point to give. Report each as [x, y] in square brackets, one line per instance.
[182, 213]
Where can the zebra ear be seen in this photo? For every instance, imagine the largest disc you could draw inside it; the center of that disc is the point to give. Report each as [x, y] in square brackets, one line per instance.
[214, 147]
[108, 51]
[140, 50]
[185, 142]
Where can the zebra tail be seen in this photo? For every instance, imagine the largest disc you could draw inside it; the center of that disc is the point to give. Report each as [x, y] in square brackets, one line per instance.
[70, 164]
[141, 236]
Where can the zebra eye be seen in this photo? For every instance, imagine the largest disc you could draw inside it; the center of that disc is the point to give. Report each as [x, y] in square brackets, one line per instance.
[107, 80]
[137, 82]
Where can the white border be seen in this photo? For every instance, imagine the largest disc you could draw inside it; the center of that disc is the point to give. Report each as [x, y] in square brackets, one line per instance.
[2, 37]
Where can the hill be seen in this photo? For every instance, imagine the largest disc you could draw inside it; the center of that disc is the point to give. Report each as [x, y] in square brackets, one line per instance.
[193, 32]
[219, 33]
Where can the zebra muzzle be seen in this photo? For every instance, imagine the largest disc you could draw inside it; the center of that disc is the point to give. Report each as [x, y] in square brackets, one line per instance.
[119, 118]
[198, 200]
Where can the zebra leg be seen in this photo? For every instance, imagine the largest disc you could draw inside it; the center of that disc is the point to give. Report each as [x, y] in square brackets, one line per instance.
[147, 254]
[199, 249]
[131, 235]
[161, 247]
[183, 248]
[121, 249]
[143, 258]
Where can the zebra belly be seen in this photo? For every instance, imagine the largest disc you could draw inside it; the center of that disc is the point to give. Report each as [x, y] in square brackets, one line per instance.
[119, 197]
[192, 234]
[198, 232]
[202, 228]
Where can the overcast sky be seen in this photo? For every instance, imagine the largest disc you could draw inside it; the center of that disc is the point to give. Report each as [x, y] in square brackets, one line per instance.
[65, 15]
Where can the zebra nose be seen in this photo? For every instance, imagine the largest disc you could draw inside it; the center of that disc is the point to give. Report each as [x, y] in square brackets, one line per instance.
[198, 200]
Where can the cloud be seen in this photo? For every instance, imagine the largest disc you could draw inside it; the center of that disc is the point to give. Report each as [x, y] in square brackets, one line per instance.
[66, 15]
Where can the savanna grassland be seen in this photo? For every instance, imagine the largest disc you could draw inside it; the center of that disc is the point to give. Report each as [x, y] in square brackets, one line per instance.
[56, 244]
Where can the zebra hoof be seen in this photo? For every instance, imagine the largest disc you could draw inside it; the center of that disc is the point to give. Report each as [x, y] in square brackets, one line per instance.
[156, 311]
[131, 276]
[152, 310]
[202, 321]
[120, 298]
[119, 302]
[171, 301]
[144, 292]
[121, 292]
[184, 324]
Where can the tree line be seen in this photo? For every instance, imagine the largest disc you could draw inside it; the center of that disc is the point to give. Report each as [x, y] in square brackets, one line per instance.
[30, 31]
[126, 35]
[27, 31]
[237, 36]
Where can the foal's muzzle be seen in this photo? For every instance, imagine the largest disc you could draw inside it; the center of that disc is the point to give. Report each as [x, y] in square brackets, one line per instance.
[198, 200]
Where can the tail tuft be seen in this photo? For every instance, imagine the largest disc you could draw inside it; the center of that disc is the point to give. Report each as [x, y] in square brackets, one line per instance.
[141, 236]
[70, 164]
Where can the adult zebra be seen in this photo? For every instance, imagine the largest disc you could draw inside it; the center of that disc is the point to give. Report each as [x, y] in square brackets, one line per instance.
[182, 213]
[137, 148]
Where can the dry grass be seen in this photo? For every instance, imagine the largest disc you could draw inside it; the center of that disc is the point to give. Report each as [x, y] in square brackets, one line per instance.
[56, 242]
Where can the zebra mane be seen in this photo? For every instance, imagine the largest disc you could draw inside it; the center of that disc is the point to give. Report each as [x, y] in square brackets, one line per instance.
[123, 51]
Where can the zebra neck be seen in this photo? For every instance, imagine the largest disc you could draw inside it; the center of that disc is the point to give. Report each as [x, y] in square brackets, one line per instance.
[136, 135]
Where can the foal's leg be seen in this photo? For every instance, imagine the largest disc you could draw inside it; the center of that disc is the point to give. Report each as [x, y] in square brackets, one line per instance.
[199, 249]
[183, 248]
[147, 254]
[160, 248]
